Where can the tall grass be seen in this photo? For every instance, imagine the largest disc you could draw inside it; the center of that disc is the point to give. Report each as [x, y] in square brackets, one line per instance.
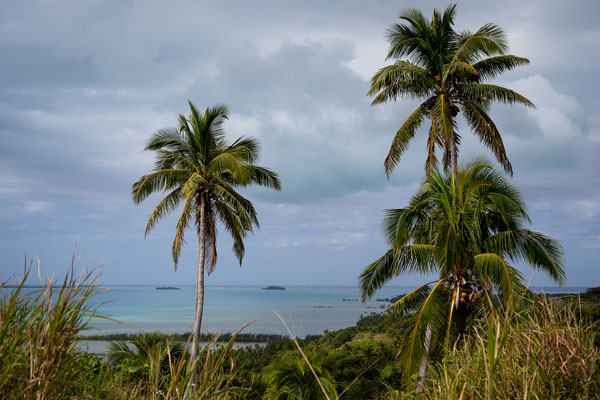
[38, 332]
[544, 352]
[162, 371]
[39, 358]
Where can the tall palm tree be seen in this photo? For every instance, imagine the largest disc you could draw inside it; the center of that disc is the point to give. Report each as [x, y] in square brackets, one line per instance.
[447, 71]
[468, 233]
[201, 170]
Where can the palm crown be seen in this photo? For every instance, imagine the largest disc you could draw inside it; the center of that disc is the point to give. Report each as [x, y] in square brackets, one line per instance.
[198, 168]
[447, 70]
[467, 232]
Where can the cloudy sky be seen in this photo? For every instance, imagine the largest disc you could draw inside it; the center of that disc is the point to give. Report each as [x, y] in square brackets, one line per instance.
[83, 84]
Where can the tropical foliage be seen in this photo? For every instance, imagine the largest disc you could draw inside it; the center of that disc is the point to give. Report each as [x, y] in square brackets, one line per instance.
[544, 351]
[469, 233]
[447, 70]
[295, 379]
[142, 347]
[146, 355]
[201, 171]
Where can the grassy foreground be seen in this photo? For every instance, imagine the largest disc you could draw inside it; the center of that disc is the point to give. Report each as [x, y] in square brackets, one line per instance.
[543, 351]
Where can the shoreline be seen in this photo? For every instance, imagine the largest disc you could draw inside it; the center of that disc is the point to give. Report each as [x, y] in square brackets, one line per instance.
[204, 337]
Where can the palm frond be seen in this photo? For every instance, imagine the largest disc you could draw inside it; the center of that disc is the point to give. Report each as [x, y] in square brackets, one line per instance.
[431, 316]
[444, 117]
[184, 220]
[491, 67]
[245, 148]
[161, 180]
[489, 40]
[118, 351]
[228, 164]
[412, 301]
[459, 66]
[483, 126]
[210, 237]
[493, 268]
[164, 207]
[406, 259]
[434, 141]
[484, 92]
[233, 199]
[537, 249]
[236, 226]
[167, 139]
[402, 79]
[402, 138]
[408, 39]
[166, 159]
[263, 177]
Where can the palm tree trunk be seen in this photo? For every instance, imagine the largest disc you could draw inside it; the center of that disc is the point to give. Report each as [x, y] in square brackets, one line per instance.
[425, 362]
[429, 332]
[199, 293]
[454, 158]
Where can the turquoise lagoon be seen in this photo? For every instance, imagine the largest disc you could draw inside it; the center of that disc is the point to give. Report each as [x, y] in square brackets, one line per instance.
[306, 310]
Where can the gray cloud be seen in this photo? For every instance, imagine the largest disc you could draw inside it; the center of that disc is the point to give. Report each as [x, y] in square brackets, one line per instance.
[84, 84]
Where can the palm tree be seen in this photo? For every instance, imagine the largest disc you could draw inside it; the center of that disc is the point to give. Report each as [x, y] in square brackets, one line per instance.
[197, 167]
[447, 71]
[469, 233]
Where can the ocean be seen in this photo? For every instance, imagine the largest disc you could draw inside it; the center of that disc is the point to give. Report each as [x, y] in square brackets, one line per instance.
[306, 310]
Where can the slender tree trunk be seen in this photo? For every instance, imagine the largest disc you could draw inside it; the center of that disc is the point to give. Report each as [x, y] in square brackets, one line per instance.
[453, 158]
[199, 294]
[425, 362]
[429, 332]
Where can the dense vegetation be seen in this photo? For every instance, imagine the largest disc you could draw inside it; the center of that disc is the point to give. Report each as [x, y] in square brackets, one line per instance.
[242, 337]
[544, 350]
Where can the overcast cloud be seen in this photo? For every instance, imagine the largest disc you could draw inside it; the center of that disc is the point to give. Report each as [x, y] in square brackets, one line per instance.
[83, 84]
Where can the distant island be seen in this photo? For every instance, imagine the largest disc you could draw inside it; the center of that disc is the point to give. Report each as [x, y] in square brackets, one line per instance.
[273, 288]
[167, 288]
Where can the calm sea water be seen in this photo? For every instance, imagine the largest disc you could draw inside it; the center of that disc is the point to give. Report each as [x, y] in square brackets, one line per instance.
[306, 310]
